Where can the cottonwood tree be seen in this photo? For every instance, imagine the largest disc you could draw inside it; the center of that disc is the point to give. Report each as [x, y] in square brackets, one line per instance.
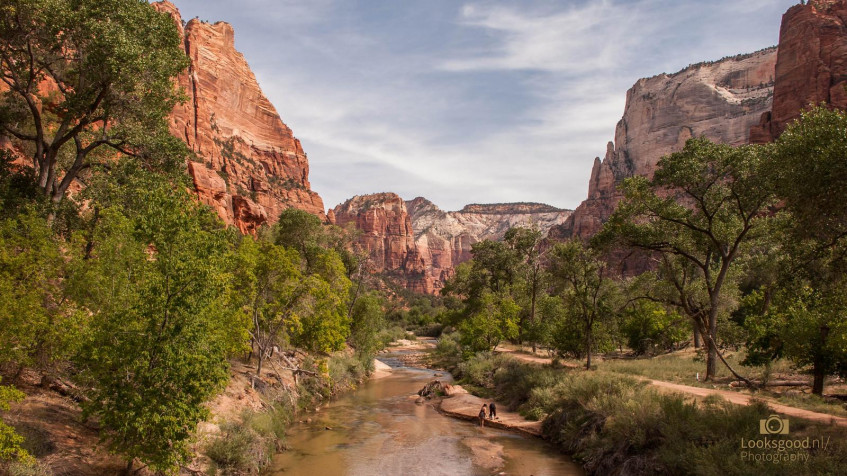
[525, 243]
[804, 309]
[273, 290]
[83, 76]
[162, 324]
[581, 279]
[703, 206]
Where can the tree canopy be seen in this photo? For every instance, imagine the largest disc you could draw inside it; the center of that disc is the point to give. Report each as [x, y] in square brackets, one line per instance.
[82, 76]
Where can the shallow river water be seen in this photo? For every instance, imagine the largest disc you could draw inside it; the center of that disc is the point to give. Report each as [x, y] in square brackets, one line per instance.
[380, 430]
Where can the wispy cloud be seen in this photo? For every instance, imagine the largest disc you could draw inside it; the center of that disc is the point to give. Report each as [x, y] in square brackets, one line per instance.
[486, 101]
[594, 36]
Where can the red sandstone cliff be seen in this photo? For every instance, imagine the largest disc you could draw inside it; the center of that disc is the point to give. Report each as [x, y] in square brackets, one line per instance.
[720, 100]
[811, 66]
[248, 165]
[420, 245]
[386, 235]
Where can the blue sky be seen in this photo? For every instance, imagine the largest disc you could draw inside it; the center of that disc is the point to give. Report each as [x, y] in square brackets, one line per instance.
[471, 102]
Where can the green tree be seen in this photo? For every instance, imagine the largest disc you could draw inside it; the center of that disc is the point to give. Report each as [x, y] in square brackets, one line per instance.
[270, 283]
[495, 318]
[703, 206]
[326, 325]
[531, 279]
[588, 294]
[162, 325]
[37, 325]
[800, 312]
[368, 318]
[82, 76]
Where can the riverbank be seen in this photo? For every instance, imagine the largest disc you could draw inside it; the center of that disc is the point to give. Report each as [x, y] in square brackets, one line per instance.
[246, 423]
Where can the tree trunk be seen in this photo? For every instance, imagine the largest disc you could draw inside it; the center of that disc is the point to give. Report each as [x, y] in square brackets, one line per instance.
[261, 359]
[128, 469]
[711, 359]
[819, 369]
[588, 349]
[819, 374]
[697, 342]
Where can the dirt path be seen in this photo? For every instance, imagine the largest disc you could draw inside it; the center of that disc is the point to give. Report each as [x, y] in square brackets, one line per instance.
[700, 392]
[462, 405]
[744, 399]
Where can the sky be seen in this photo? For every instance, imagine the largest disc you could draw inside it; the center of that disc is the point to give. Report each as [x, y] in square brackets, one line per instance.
[471, 102]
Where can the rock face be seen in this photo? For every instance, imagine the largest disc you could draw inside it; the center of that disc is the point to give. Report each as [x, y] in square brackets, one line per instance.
[720, 100]
[420, 245]
[386, 235]
[444, 239]
[249, 166]
[811, 67]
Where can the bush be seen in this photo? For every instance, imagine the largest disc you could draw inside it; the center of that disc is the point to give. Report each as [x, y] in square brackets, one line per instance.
[448, 353]
[619, 425]
[28, 469]
[239, 448]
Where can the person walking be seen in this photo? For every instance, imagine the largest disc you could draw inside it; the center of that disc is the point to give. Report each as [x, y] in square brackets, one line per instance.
[482, 415]
[492, 411]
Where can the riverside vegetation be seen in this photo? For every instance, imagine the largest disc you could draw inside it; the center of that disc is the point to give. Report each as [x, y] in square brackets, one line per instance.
[745, 255]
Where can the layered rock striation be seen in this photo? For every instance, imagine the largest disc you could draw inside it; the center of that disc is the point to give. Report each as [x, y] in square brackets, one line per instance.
[718, 100]
[247, 164]
[811, 66]
[386, 235]
[420, 244]
[444, 239]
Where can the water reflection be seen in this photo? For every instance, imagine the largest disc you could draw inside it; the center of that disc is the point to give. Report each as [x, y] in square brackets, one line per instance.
[380, 430]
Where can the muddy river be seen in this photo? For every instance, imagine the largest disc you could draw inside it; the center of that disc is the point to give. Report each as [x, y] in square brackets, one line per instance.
[380, 430]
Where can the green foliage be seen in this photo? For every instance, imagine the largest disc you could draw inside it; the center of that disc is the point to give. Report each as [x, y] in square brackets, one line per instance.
[702, 211]
[495, 319]
[649, 328]
[588, 297]
[368, 320]
[448, 352]
[809, 172]
[240, 448]
[10, 441]
[83, 76]
[37, 325]
[272, 292]
[613, 424]
[161, 326]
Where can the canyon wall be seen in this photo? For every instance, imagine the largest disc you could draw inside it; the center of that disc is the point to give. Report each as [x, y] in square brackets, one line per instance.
[811, 66]
[420, 245]
[247, 164]
[718, 100]
[386, 235]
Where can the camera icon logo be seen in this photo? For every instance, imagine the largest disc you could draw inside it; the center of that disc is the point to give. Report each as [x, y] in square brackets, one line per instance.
[773, 425]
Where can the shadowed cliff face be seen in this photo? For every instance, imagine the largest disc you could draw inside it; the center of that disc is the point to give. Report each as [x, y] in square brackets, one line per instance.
[719, 100]
[420, 244]
[811, 67]
[249, 166]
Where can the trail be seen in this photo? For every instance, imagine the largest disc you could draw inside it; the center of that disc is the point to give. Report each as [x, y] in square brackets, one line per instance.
[700, 392]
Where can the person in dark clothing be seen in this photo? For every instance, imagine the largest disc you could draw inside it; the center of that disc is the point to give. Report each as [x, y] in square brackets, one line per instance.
[492, 411]
[482, 415]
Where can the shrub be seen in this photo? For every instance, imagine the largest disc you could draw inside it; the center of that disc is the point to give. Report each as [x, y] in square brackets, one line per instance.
[448, 352]
[239, 448]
